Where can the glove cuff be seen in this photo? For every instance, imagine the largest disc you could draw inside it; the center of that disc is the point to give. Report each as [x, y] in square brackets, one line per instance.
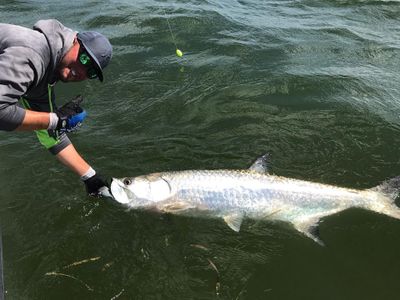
[53, 122]
[89, 174]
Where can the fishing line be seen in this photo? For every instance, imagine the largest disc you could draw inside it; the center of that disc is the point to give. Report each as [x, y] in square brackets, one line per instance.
[1, 268]
[178, 52]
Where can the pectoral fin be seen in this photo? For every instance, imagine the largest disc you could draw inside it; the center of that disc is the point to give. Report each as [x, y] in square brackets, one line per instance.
[175, 207]
[309, 228]
[261, 164]
[234, 221]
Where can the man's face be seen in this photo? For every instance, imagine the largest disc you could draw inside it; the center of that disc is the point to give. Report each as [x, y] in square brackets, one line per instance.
[70, 68]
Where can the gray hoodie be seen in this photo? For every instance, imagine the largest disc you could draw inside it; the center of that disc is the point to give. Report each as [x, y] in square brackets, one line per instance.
[28, 60]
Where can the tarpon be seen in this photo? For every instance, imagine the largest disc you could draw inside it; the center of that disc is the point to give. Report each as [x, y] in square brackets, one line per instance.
[252, 193]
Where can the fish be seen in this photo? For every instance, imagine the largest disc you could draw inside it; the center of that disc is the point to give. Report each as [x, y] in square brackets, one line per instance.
[251, 193]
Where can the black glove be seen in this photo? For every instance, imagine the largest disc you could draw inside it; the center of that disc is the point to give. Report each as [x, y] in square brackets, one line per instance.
[97, 186]
[70, 115]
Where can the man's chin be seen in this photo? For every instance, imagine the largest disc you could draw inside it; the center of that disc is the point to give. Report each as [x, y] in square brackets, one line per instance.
[62, 76]
[66, 79]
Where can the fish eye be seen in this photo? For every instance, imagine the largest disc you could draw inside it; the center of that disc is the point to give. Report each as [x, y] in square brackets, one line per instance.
[127, 181]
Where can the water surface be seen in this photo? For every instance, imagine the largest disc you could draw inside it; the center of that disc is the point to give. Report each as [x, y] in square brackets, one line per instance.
[314, 83]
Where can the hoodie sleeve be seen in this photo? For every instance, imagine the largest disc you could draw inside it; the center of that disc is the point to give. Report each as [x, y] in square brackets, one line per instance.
[20, 68]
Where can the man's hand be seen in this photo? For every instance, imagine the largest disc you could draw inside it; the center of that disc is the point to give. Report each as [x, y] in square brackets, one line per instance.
[70, 115]
[97, 186]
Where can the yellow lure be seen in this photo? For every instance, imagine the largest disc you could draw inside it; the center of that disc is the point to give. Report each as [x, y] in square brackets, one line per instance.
[179, 53]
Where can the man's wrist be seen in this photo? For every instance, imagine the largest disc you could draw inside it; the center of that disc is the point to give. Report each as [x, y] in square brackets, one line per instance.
[89, 174]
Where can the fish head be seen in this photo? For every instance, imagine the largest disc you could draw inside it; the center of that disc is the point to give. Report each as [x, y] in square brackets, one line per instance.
[141, 191]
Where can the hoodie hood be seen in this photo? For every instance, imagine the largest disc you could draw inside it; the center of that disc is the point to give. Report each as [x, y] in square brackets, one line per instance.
[60, 40]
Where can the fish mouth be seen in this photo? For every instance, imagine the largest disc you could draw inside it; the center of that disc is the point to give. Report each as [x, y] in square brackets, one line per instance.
[119, 191]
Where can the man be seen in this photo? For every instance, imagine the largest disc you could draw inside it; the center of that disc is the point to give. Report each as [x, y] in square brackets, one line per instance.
[31, 63]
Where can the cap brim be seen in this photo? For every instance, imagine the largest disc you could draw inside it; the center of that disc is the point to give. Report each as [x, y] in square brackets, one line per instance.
[93, 57]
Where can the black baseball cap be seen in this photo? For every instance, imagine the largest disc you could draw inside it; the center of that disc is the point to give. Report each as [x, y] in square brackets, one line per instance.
[99, 49]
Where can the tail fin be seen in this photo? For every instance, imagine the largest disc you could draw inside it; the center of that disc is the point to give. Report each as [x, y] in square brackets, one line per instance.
[384, 202]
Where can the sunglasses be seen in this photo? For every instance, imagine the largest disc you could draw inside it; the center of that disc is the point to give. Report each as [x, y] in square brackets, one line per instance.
[87, 62]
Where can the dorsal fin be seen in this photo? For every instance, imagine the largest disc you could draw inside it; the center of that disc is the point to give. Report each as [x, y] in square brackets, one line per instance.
[261, 164]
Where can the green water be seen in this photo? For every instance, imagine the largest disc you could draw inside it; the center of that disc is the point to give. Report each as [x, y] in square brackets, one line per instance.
[314, 83]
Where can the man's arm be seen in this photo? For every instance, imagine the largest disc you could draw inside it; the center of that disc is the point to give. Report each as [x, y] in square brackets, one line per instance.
[95, 184]
[68, 118]
[71, 158]
[20, 68]
[34, 120]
